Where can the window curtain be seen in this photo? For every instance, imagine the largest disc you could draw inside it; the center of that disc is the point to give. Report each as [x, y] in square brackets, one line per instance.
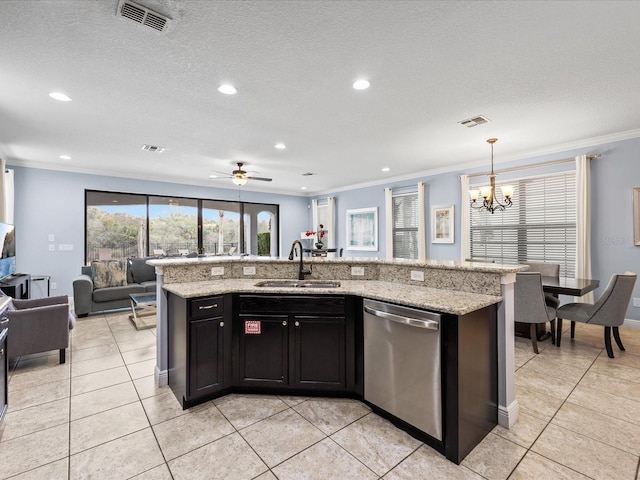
[388, 210]
[314, 214]
[6, 193]
[465, 218]
[422, 231]
[583, 223]
[331, 225]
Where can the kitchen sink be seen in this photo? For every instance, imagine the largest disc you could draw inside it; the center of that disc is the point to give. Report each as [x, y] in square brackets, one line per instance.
[298, 284]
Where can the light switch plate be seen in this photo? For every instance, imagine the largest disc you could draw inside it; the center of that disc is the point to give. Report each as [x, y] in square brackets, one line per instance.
[52, 247]
[357, 271]
[65, 247]
[52, 237]
[217, 271]
[417, 275]
[636, 301]
[249, 270]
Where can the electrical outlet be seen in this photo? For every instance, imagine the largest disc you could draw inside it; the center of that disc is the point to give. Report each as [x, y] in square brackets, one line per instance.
[249, 270]
[636, 301]
[357, 271]
[53, 286]
[52, 247]
[417, 275]
[217, 271]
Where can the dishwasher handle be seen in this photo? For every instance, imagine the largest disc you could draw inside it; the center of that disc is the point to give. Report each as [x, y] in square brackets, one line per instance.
[413, 322]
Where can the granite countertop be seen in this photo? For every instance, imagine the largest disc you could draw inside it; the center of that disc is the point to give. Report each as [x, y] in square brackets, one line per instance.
[436, 264]
[440, 300]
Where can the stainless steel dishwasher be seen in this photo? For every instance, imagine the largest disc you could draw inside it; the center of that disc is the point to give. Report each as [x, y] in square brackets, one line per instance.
[402, 373]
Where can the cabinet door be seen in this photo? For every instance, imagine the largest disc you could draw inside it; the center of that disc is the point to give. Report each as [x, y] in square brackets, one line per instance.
[319, 353]
[206, 356]
[263, 350]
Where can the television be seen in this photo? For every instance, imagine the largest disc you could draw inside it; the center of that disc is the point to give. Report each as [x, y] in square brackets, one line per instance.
[8, 251]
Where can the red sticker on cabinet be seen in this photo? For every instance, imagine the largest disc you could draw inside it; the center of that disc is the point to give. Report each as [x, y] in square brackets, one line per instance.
[252, 327]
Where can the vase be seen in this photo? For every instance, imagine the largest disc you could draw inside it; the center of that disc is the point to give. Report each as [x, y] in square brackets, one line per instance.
[319, 245]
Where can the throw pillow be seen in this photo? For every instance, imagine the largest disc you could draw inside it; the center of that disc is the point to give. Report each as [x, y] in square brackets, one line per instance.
[111, 273]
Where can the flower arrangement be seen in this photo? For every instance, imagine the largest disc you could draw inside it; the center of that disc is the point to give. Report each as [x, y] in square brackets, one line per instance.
[321, 232]
[309, 233]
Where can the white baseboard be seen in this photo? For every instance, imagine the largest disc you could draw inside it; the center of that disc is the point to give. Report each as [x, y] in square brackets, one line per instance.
[630, 323]
[161, 377]
[508, 416]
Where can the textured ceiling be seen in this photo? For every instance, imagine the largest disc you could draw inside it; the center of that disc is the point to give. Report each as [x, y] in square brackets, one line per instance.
[550, 76]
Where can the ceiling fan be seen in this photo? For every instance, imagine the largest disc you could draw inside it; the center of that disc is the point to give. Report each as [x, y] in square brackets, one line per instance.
[240, 176]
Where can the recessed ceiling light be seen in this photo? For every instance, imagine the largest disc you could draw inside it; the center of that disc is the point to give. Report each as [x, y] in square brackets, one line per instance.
[280, 146]
[227, 89]
[213, 176]
[361, 84]
[386, 169]
[303, 188]
[65, 157]
[60, 96]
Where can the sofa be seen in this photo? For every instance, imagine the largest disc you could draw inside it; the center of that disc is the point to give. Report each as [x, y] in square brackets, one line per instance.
[106, 285]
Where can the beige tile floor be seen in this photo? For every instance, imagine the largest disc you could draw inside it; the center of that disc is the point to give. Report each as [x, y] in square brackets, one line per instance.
[100, 416]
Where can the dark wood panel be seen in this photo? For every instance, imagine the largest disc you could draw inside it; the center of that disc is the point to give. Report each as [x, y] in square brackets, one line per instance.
[264, 358]
[319, 352]
[318, 304]
[206, 352]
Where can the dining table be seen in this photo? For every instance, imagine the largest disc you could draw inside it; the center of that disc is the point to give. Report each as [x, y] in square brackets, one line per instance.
[575, 287]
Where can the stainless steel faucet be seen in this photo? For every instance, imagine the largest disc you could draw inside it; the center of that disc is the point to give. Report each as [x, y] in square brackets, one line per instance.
[301, 271]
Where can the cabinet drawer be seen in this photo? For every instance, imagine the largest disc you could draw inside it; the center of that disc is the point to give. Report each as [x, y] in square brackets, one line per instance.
[206, 307]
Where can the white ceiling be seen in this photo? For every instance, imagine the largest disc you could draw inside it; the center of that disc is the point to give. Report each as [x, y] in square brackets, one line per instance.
[551, 75]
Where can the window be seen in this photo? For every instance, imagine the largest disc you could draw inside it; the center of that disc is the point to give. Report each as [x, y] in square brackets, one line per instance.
[405, 225]
[539, 227]
[121, 225]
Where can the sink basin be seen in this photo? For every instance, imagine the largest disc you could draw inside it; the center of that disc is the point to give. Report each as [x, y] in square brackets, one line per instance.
[298, 284]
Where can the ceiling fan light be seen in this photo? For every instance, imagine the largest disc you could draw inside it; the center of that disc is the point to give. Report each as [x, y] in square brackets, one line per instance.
[239, 180]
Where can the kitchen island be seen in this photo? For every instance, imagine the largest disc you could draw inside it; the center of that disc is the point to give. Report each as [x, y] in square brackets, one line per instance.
[460, 291]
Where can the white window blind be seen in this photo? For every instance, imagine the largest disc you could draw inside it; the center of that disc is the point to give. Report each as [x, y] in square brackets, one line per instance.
[405, 225]
[539, 227]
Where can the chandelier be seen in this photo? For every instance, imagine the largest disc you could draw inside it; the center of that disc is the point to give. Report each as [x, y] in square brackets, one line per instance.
[488, 193]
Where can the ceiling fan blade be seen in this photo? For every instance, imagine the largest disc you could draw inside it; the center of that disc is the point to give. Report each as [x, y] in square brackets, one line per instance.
[262, 179]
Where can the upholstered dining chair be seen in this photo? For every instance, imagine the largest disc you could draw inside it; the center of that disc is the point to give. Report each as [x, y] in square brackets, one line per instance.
[608, 311]
[530, 306]
[547, 270]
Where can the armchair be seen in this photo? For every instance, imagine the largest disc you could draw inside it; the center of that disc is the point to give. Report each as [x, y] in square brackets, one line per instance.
[39, 325]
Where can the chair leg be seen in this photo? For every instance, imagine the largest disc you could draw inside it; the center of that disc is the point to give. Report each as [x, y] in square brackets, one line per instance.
[607, 341]
[616, 335]
[63, 355]
[553, 331]
[573, 329]
[533, 333]
[559, 332]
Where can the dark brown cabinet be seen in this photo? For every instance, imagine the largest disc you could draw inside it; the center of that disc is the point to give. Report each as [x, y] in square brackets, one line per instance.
[199, 347]
[294, 342]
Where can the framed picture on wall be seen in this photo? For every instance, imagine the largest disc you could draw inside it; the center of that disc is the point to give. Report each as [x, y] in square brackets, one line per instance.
[362, 229]
[636, 216]
[442, 224]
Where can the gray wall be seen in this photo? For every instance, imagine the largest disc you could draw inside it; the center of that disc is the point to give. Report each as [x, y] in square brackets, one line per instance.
[50, 202]
[613, 177]
[53, 202]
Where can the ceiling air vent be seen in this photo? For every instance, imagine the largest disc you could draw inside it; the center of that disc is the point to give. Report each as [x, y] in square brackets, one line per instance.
[142, 15]
[474, 122]
[153, 148]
